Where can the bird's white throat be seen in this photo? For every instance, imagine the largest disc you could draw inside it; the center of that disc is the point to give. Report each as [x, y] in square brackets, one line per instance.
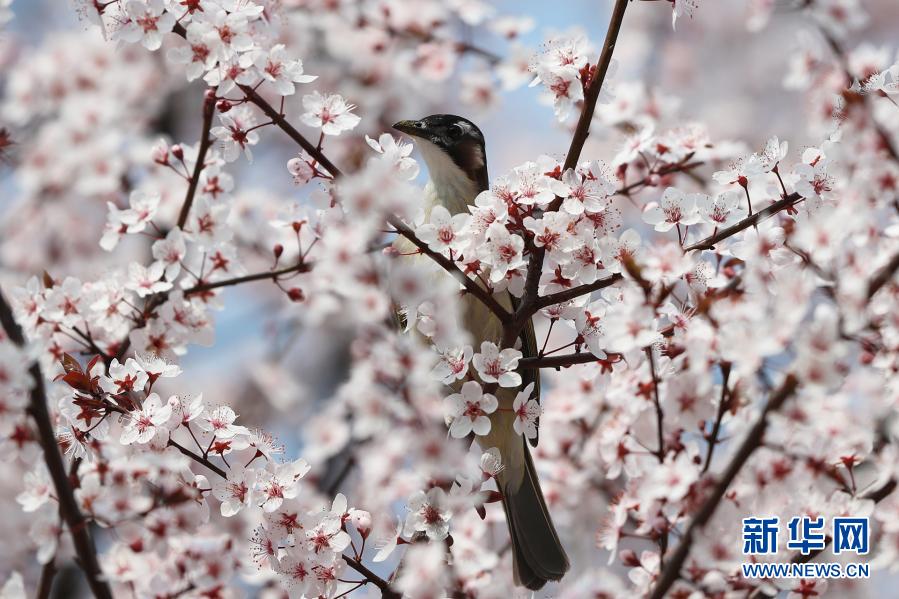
[450, 186]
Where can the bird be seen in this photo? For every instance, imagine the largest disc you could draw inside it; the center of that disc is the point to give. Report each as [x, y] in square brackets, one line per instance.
[454, 151]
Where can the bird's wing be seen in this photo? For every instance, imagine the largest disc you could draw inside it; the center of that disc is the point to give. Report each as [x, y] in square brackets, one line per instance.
[529, 350]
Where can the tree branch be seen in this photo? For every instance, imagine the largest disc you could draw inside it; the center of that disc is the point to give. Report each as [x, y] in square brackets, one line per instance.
[709, 242]
[68, 505]
[569, 294]
[205, 142]
[753, 440]
[883, 276]
[198, 458]
[383, 585]
[449, 266]
[258, 276]
[722, 408]
[581, 357]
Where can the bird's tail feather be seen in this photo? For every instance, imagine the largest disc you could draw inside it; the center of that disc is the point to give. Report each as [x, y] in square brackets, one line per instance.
[538, 556]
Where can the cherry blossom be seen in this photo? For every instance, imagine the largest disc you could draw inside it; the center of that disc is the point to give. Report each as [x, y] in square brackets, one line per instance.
[331, 113]
[744, 367]
[147, 422]
[147, 22]
[468, 410]
[444, 232]
[497, 366]
[674, 209]
[527, 411]
[276, 68]
[428, 514]
[236, 492]
[236, 134]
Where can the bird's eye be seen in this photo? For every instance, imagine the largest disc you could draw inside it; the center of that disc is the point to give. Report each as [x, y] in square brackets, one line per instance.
[455, 131]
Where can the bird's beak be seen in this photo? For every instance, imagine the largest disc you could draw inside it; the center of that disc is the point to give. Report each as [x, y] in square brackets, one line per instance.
[413, 128]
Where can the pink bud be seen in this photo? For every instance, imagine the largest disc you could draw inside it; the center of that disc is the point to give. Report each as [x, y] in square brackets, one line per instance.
[178, 152]
[224, 106]
[296, 294]
[278, 250]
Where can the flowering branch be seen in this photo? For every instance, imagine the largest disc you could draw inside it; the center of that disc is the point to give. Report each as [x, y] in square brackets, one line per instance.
[384, 586]
[529, 303]
[751, 442]
[592, 93]
[68, 505]
[782, 204]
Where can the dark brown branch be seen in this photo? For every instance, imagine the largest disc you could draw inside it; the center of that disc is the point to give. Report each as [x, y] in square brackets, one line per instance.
[722, 408]
[750, 443]
[558, 361]
[45, 584]
[449, 266]
[709, 242]
[569, 294]
[198, 458]
[384, 586]
[68, 505]
[282, 123]
[660, 415]
[258, 276]
[205, 142]
[279, 120]
[883, 276]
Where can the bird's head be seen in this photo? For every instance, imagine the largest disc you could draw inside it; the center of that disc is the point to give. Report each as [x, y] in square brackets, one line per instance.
[452, 147]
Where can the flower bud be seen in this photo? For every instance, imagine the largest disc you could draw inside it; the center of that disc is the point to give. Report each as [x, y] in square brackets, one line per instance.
[296, 294]
[278, 250]
[224, 106]
[629, 558]
[178, 151]
[361, 521]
